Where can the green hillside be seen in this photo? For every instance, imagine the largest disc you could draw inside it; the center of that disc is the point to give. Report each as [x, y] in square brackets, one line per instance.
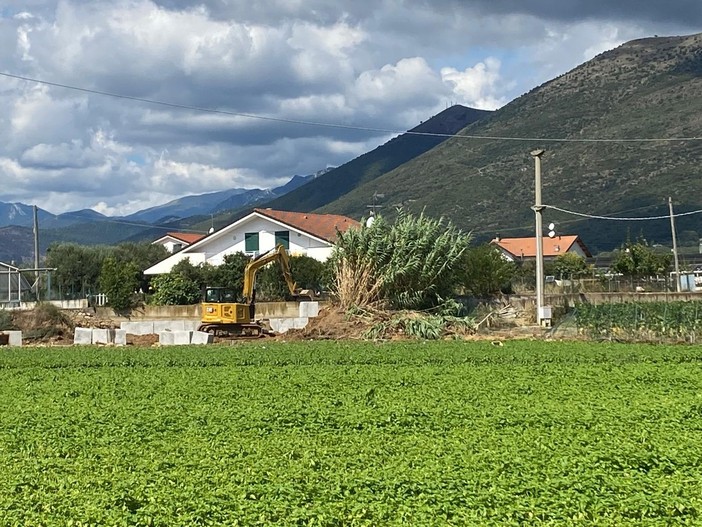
[650, 88]
[366, 168]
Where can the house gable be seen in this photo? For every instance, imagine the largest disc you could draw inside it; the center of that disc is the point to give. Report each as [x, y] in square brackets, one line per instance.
[175, 241]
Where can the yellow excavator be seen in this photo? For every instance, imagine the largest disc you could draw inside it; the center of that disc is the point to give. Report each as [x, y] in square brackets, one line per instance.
[223, 315]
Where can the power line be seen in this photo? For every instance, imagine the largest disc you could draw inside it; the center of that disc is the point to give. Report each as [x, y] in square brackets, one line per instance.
[351, 127]
[615, 218]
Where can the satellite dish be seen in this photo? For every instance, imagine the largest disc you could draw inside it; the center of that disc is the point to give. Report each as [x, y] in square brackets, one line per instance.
[552, 226]
[551, 234]
[211, 230]
[370, 221]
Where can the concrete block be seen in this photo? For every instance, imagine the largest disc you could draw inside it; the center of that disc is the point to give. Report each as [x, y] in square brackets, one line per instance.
[14, 337]
[191, 325]
[138, 328]
[201, 337]
[281, 325]
[103, 336]
[174, 338]
[168, 325]
[309, 309]
[83, 336]
[120, 337]
[165, 338]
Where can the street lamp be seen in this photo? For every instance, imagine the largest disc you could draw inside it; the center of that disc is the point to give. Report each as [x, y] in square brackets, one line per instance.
[543, 313]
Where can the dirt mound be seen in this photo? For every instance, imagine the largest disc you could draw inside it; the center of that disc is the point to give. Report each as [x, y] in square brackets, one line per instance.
[44, 324]
[331, 324]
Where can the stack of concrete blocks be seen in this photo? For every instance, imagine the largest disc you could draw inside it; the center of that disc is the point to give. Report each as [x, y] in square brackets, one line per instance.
[184, 337]
[88, 336]
[155, 327]
[307, 310]
[15, 337]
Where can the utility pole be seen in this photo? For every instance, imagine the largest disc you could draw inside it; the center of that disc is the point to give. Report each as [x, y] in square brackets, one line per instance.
[541, 313]
[675, 245]
[37, 282]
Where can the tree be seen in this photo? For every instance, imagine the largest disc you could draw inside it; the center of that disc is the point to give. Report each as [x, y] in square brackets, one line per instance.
[638, 260]
[119, 281]
[174, 289]
[77, 267]
[412, 264]
[569, 265]
[307, 273]
[485, 272]
[230, 273]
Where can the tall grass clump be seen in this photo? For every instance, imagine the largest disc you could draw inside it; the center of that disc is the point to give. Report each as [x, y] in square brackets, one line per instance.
[411, 264]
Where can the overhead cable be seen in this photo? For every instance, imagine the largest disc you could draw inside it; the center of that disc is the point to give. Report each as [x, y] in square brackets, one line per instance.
[352, 127]
[615, 218]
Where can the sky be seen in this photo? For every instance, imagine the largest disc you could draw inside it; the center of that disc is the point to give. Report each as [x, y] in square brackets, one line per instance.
[380, 64]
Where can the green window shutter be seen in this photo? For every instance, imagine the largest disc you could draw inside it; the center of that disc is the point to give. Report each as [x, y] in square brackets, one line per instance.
[283, 238]
[251, 242]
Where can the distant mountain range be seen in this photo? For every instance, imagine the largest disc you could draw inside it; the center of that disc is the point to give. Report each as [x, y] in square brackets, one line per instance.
[90, 227]
[21, 215]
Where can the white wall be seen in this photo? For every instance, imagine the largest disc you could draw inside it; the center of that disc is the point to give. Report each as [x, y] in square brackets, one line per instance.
[232, 241]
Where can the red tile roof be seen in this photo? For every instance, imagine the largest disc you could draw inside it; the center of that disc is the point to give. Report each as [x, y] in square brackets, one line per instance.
[186, 236]
[526, 247]
[322, 226]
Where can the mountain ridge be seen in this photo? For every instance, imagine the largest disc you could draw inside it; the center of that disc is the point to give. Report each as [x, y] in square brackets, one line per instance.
[648, 88]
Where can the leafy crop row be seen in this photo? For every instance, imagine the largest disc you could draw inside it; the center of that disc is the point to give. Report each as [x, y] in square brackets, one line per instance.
[441, 433]
[645, 320]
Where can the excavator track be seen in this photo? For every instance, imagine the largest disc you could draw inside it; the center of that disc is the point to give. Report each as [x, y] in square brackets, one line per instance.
[234, 331]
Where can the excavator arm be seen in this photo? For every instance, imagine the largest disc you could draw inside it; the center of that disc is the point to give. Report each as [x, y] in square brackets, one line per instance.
[279, 254]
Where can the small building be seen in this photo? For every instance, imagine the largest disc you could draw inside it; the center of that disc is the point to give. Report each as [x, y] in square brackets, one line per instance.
[175, 241]
[522, 249]
[14, 287]
[301, 233]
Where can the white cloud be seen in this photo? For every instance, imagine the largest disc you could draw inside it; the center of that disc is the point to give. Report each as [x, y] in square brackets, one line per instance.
[386, 64]
[477, 87]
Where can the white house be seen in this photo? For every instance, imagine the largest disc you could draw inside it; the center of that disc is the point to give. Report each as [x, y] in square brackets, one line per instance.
[519, 249]
[175, 241]
[301, 233]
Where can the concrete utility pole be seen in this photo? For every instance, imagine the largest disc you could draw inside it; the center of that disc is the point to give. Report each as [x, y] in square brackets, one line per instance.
[36, 251]
[538, 208]
[675, 245]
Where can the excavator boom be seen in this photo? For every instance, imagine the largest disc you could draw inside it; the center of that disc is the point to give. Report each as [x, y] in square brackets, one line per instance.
[279, 254]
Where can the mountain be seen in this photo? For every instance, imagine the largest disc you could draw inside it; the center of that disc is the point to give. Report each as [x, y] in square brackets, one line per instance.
[17, 244]
[90, 227]
[648, 88]
[365, 169]
[189, 205]
[20, 215]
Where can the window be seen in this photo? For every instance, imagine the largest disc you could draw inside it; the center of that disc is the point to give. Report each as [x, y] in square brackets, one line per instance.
[283, 238]
[251, 242]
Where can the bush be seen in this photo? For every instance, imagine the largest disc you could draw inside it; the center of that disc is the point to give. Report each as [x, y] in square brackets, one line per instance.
[411, 264]
[174, 289]
[6, 320]
[119, 281]
[307, 273]
[485, 272]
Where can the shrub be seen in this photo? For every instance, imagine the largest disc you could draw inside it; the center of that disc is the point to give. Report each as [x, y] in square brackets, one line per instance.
[174, 289]
[411, 264]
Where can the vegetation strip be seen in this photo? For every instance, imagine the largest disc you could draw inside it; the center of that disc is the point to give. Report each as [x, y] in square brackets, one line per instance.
[314, 433]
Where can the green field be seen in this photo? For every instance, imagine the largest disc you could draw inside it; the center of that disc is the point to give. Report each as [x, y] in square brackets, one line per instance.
[319, 433]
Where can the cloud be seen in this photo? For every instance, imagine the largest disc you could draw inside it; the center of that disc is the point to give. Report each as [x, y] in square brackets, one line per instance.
[381, 65]
[477, 86]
